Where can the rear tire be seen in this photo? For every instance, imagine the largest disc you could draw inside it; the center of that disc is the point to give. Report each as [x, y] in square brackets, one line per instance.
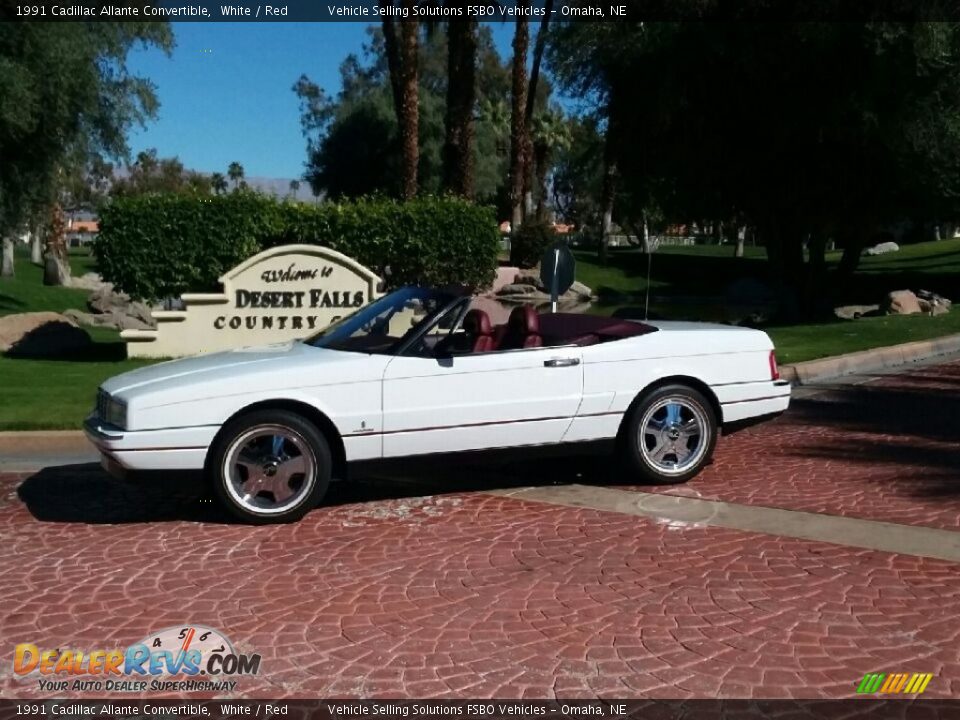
[670, 435]
[270, 466]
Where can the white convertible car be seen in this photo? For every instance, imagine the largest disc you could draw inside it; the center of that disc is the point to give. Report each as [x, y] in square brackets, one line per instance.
[422, 371]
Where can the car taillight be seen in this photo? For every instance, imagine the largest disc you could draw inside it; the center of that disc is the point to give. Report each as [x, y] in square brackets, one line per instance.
[774, 372]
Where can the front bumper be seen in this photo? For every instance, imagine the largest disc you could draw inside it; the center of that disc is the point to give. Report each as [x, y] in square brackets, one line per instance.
[162, 449]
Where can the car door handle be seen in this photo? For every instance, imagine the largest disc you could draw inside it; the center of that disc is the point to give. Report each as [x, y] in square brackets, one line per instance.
[561, 362]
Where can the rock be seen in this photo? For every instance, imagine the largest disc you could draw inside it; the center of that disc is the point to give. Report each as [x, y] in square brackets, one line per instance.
[79, 317]
[526, 278]
[852, 312]
[882, 248]
[580, 290]
[901, 302]
[40, 334]
[90, 281]
[124, 313]
[127, 322]
[518, 289]
[932, 303]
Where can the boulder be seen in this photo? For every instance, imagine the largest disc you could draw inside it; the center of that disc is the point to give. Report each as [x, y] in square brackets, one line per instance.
[123, 312]
[40, 334]
[90, 281]
[852, 312]
[518, 289]
[932, 303]
[882, 248]
[901, 302]
[79, 317]
[523, 278]
[581, 290]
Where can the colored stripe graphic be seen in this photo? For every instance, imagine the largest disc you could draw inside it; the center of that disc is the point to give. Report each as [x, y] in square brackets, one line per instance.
[894, 683]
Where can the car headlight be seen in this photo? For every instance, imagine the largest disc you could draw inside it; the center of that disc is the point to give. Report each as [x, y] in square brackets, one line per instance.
[111, 410]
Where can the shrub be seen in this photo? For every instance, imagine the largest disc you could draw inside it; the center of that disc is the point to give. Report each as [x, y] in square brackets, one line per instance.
[528, 244]
[162, 245]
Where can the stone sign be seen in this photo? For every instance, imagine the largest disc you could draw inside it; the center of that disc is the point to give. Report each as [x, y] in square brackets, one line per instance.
[281, 294]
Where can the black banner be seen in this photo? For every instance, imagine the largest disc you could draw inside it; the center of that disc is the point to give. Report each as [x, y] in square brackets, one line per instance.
[144, 709]
[481, 10]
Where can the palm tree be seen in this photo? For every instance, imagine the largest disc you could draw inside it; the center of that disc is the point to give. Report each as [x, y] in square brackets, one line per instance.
[496, 113]
[402, 58]
[235, 173]
[294, 188]
[6, 266]
[550, 132]
[519, 132]
[458, 164]
[218, 182]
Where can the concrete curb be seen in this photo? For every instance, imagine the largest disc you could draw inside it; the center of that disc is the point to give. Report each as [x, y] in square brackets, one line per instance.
[867, 361]
[39, 441]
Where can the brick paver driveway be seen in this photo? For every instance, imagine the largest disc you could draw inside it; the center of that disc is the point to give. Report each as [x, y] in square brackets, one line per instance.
[435, 588]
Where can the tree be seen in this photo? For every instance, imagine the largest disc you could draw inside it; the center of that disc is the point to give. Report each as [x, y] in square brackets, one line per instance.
[66, 95]
[353, 139]
[235, 173]
[458, 149]
[824, 154]
[519, 130]
[402, 58]
[7, 264]
[218, 183]
[294, 188]
[153, 174]
[550, 132]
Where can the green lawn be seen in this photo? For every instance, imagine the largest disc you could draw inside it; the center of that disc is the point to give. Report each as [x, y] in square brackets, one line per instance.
[797, 343]
[54, 394]
[688, 283]
[26, 292]
[708, 269]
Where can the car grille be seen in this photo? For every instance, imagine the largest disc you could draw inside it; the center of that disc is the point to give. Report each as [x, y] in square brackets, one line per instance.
[103, 399]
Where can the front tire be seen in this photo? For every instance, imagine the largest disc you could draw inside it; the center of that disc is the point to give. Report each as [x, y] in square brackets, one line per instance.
[270, 466]
[670, 434]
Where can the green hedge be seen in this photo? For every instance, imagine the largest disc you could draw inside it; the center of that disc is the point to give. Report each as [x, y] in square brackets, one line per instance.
[158, 246]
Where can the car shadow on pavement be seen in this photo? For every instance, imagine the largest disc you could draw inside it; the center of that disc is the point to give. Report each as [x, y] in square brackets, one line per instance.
[84, 493]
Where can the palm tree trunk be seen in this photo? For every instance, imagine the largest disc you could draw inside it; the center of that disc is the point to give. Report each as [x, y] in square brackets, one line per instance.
[56, 270]
[458, 162]
[394, 62]
[519, 135]
[538, 50]
[410, 103]
[6, 266]
[36, 245]
[606, 202]
[541, 162]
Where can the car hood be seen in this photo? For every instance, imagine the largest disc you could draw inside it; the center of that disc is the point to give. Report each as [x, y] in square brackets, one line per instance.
[268, 360]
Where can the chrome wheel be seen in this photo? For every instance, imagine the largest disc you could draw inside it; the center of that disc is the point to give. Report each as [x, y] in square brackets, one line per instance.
[673, 435]
[269, 469]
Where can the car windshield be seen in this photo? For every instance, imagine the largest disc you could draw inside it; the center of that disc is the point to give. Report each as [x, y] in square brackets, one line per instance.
[378, 328]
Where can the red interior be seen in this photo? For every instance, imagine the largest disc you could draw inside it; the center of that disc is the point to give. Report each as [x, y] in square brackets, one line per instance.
[526, 328]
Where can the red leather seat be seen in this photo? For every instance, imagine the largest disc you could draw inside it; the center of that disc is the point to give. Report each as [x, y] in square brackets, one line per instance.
[477, 326]
[523, 330]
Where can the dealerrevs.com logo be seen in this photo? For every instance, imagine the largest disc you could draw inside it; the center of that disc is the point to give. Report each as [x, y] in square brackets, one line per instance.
[187, 658]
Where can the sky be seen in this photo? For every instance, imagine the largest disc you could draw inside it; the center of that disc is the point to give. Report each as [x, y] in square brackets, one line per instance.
[225, 91]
